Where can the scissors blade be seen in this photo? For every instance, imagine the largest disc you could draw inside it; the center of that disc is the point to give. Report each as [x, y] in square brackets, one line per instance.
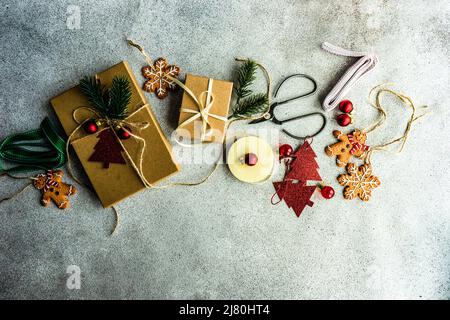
[258, 120]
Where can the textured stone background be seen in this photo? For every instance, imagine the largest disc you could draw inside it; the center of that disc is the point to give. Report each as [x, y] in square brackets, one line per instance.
[224, 239]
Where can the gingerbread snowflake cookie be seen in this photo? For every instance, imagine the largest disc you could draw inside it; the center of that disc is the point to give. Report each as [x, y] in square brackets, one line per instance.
[358, 182]
[53, 188]
[158, 76]
[349, 145]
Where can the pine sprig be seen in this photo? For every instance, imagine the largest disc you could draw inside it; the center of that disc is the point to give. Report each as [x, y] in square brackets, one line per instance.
[247, 104]
[112, 102]
[119, 97]
[246, 77]
[251, 106]
[93, 90]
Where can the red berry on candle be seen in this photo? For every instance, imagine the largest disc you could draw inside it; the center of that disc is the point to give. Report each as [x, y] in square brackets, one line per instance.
[327, 192]
[346, 106]
[124, 134]
[251, 159]
[90, 127]
[344, 119]
[285, 151]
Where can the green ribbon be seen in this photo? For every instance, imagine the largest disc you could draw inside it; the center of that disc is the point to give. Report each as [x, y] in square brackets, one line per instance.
[40, 149]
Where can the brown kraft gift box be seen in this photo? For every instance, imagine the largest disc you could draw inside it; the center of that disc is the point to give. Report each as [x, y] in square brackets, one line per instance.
[222, 91]
[119, 181]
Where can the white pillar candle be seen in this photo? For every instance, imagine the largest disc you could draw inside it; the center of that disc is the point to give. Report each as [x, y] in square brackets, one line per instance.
[264, 166]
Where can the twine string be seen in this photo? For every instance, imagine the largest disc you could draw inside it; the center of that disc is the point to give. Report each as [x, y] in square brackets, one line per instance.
[16, 194]
[407, 101]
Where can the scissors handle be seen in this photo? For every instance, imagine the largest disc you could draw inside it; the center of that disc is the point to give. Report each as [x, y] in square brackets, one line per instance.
[270, 114]
[306, 94]
[324, 123]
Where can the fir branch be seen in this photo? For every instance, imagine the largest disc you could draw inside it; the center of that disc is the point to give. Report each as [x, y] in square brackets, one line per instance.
[93, 90]
[246, 77]
[251, 106]
[113, 102]
[119, 98]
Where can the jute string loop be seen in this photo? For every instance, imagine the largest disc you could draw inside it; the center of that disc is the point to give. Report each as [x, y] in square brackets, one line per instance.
[380, 91]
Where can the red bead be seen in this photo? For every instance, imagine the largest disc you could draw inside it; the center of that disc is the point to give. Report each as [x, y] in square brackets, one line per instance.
[344, 119]
[346, 106]
[124, 134]
[251, 159]
[90, 127]
[327, 192]
[285, 151]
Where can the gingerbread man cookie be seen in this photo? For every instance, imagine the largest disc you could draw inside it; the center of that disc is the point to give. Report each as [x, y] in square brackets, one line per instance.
[53, 188]
[349, 145]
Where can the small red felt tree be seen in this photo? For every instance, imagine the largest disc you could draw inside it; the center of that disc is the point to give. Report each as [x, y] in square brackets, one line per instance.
[293, 189]
[296, 195]
[108, 149]
[304, 166]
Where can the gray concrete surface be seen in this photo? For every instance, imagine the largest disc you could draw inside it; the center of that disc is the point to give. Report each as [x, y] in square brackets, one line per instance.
[224, 239]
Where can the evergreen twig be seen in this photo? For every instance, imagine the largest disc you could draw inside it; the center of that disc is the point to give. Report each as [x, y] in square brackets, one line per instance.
[246, 77]
[112, 102]
[93, 90]
[248, 104]
[119, 97]
[251, 106]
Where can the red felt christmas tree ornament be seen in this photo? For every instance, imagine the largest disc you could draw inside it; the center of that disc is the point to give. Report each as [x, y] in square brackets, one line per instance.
[294, 189]
[296, 195]
[108, 149]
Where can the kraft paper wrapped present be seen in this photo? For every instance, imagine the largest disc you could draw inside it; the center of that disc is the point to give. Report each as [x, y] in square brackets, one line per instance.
[120, 180]
[213, 95]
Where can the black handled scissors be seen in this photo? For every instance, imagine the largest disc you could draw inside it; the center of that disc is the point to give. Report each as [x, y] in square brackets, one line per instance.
[270, 115]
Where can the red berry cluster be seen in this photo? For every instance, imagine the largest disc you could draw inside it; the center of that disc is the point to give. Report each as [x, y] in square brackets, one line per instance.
[345, 118]
[91, 126]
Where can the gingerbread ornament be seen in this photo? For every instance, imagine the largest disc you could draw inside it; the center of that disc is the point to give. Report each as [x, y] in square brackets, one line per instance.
[358, 182]
[159, 77]
[349, 145]
[53, 188]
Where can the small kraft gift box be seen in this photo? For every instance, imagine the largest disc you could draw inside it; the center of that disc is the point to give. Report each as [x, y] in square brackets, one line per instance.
[204, 109]
[144, 159]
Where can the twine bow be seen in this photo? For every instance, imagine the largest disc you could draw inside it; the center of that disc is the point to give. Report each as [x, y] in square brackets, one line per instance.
[113, 124]
[204, 109]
